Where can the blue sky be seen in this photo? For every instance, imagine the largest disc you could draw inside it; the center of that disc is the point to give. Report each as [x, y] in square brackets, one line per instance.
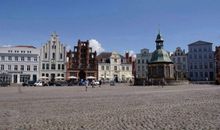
[119, 25]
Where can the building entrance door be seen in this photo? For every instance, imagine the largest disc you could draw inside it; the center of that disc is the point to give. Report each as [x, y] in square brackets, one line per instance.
[82, 74]
[15, 78]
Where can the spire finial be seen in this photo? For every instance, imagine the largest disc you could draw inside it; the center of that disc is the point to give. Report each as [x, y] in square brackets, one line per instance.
[158, 28]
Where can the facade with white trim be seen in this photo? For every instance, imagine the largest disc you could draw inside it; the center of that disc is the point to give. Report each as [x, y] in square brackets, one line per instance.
[113, 66]
[20, 63]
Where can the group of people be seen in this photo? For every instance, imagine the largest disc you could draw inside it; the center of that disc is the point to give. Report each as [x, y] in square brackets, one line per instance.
[92, 83]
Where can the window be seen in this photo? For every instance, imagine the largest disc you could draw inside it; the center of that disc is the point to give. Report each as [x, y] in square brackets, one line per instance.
[45, 55]
[53, 56]
[206, 66]
[63, 66]
[107, 67]
[22, 58]
[53, 46]
[2, 67]
[43, 66]
[127, 68]
[139, 61]
[103, 67]
[9, 67]
[35, 58]
[210, 65]
[59, 67]
[179, 67]
[178, 60]
[53, 66]
[16, 58]
[205, 56]
[35, 68]
[47, 66]
[115, 60]
[196, 74]
[195, 66]
[191, 74]
[200, 66]
[28, 67]
[195, 56]
[61, 56]
[3, 58]
[22, 67]
[29, 58]
[115, 67]
[206, 74]
[9, 58]
[143, 68]
[201, 74]
[210, 56]
[142, 61]
[16, 67]
[184, 59]
[123, 68]
[138, 68]
[191, 66]
[174, 60]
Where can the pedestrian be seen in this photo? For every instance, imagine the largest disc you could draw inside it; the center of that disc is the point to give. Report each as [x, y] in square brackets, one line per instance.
[93, 83]
[100, 83]
[86, 84]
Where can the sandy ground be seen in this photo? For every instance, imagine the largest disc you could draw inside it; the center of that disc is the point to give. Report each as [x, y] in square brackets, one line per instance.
[120, 107]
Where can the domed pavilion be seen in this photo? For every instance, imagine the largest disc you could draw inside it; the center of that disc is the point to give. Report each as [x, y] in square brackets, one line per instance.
[161, 67]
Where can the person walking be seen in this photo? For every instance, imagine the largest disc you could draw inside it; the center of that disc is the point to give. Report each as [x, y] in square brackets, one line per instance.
[86, 84]
[100, 83]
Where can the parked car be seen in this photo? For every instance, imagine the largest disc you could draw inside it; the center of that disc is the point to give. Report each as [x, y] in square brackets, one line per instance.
[4, 83]
[28, 83]
[39, 83]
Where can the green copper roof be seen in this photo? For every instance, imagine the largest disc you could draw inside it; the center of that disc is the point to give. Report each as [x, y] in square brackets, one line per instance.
[160, 55]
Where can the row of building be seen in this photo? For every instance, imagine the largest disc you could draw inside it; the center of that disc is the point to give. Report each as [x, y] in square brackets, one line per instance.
[53, 62]
[201, 63]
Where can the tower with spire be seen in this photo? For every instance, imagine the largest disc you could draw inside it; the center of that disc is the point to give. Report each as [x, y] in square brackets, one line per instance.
[161, 67]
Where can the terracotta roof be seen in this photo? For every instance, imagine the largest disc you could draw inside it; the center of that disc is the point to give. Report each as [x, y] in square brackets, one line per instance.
[25, 46]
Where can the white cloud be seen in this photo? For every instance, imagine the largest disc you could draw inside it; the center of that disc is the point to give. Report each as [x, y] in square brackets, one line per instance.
[96, 46]
[6, 45]
[132, 53]
[68, 47]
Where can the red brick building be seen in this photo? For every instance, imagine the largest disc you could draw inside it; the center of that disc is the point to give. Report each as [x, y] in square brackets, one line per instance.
[217, 58]
[81, 62]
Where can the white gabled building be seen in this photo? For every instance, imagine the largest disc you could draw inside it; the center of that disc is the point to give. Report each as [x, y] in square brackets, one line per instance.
[141, 64]
[179, 58]
[53, 59]
[20, 63]
[113, 66]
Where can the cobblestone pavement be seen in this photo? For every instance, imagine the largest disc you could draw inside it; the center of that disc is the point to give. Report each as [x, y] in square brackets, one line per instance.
[120, 107]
